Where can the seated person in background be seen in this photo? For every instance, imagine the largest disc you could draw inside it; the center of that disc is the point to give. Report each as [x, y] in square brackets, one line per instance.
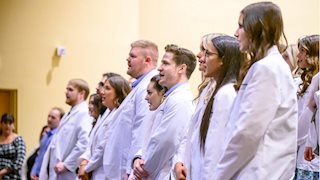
[12, 150]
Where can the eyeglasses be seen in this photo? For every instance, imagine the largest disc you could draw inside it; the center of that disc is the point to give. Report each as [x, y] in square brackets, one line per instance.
[207, 53]
[100, 84]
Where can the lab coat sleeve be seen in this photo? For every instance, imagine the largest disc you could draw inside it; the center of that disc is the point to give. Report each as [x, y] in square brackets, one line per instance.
[97, 155]
[142, 113]
[261, 99]
[180, 153]
[308, 111]
[138, 154]
[164, 140]
[83, 130]
[86, 155]
[312, 135]
[217, 129]
[303, 125]
[313, 101]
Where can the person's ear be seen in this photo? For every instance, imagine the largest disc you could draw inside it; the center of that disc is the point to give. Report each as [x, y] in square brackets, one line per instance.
[182, 68]
[162, 92]
[148, 59]
[82, 93]
[221, 62]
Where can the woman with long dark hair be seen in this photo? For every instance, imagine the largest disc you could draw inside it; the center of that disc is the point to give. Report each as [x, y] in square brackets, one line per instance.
[262, 130]
[12, 150]
[206, 133]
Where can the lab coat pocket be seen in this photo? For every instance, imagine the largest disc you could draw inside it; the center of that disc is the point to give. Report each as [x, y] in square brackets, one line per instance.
[67, 130]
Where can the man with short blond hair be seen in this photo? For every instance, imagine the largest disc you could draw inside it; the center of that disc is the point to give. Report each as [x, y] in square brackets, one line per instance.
[173, 115]
[60, 161]
[126, 138]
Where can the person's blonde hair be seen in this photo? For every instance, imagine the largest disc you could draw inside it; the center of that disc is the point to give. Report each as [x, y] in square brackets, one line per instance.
[205, 40]
[81, 85]
[292, 51]
[150, 49]
[291, 54]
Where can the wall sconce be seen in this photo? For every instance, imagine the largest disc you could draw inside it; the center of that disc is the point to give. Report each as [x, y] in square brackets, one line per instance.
[61, 51]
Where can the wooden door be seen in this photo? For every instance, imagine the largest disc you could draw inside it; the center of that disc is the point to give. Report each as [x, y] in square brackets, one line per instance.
[8, 103]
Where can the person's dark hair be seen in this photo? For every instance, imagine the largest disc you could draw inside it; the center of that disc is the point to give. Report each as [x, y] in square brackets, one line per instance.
[106, 75]
[228, 50]
[311, 45]
[183, 56]
[110, 74]
[201, 87]
[7, 118]
[97, 102]
[121, 87]
[155, 79]
[263, 24]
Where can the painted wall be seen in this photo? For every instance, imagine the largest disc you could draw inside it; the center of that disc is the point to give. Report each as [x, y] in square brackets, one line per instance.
[184, 22]
[97, 35]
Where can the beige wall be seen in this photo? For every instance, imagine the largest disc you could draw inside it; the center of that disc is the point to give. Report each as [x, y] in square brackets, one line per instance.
[185, 21]
[97, 35]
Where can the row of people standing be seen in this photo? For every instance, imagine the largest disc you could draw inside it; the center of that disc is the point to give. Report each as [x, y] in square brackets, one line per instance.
[246, 132]
[155, 90]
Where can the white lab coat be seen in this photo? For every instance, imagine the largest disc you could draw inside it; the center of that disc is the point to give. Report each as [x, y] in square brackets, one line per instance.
[304, 115]
[94, 152]
[313, 134]
[304, 124]
[262, 130]
[183, 153]
[169, 128]
[148, 127]
[126, 138]
[87, 154]
[202, 164]
[301, 99]
[67, 144]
